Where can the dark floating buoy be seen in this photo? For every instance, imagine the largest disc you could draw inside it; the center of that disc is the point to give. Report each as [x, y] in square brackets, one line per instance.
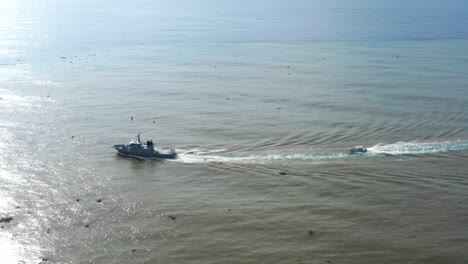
[154, 122]
[6, 219]
[311, 232]
[86, 226]
[227, 98]
[282, 173]
[73, 136]
[77, 200]
[99, 200]
[131, 118]
[134, 250]
[172, 217]
[229, 209]
[279, 108]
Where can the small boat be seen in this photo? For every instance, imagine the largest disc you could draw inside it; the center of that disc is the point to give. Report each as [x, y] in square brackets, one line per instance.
[140, 150]
[357, 150]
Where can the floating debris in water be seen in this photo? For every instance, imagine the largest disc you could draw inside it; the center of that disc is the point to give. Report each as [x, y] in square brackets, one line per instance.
[133, 250]
[172, 217]
[311, 232]
[131, 117]
[6, 219]
[77, 200]
[99, 200]
[283, 173]
[86, 226]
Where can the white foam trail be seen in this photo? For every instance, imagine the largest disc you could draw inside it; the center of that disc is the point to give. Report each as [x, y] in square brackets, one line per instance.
[418, 147]
[196, 158]
[203, 152]
[399, 148]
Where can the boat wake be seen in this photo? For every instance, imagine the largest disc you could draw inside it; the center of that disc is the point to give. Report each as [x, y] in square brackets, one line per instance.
[227, 157]
[402, 148]
[381, 149]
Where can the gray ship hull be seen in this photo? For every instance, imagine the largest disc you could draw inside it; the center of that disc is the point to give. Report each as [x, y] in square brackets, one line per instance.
[144, 152]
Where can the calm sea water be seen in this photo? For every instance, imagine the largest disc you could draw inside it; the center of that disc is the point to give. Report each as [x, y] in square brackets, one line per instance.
[243, 91]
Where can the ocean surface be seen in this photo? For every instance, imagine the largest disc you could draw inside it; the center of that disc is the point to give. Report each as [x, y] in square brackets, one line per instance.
[262, 100]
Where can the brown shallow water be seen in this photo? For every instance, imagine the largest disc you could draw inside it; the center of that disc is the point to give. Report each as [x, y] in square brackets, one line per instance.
[217, 205]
